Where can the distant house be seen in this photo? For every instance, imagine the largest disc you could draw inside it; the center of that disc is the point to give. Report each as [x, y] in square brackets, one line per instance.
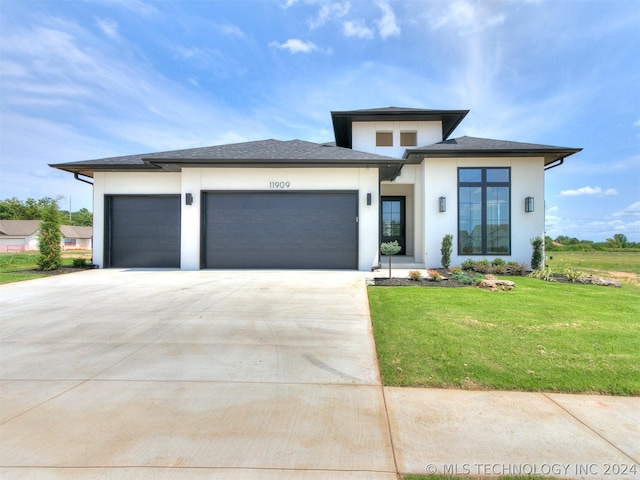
[75, 237]
[22, 235]
[391, 174]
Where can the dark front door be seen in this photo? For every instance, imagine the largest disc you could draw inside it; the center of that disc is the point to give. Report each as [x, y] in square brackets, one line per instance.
[393, 221]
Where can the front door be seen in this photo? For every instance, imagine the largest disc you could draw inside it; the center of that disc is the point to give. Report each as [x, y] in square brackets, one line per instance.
[393, 221]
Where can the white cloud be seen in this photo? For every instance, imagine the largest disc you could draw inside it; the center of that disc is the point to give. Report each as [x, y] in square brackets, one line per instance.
[108, 27]
[387, 25]
[230, 30]
[289, 3]
[357, 29]
[295, 45]
[609, 192]
[136, 6]
[468, 17]
[329, 11]
[632, 210]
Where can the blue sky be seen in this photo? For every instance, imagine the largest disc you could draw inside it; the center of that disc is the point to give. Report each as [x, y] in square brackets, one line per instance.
[99, 78]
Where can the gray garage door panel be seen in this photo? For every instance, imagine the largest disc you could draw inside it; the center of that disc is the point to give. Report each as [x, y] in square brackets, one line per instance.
[280, 230]
[142, 231]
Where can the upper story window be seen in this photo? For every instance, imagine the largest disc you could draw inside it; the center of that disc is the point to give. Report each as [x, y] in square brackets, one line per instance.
[384, 139]
[408, 139]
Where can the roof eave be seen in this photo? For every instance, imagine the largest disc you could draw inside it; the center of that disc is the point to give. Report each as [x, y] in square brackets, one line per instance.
[550, 156]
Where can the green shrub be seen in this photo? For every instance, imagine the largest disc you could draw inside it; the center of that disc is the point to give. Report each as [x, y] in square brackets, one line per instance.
[468, 264]
[415, 275]
[498, 262]
[573, 275]
[515, 268]
[482, 266]
[79, 262]
[49, 238]
[445, 250]
[456, 270]
[390, 249]
[537, 255]
[543, 274]
[462, 278]
[434, 276]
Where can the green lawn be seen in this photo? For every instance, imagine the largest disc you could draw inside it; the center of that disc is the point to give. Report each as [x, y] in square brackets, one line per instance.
[12, 263]
[595, 261]
[540, 337]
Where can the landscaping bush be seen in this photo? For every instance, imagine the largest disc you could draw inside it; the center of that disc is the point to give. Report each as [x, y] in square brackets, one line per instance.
[415, 275]
[445, 250]
[515, 268]
[542, 274]
[49, 238]
[462, 278]
[468, 264]
[482, 266]
[390, 249]
[537, 255]
[434, 276]
[79, 262]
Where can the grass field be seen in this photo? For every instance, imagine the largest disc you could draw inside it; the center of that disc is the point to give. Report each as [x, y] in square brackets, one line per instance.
[12, 264]
[601, 262]
[540, 337]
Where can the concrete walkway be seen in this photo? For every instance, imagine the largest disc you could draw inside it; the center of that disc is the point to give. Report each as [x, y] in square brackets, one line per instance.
[258, 375]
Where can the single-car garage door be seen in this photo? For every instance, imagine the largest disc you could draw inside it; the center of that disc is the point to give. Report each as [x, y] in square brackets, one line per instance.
[280, 230]
[142, 231]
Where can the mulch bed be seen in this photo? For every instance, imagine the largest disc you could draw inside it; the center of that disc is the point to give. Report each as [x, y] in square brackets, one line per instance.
[407, 282]
[558, 278]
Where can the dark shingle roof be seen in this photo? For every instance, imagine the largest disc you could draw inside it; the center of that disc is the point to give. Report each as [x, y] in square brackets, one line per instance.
[342, 120]
[259, 153]
[473, 146]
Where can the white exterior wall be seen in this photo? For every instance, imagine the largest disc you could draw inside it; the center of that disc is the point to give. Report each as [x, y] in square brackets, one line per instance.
[197, 180]
[363, 136]
[122, 183]
[409, 185]
[19, 244]
[440, 179]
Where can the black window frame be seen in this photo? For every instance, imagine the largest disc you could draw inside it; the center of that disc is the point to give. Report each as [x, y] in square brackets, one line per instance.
[484, 185]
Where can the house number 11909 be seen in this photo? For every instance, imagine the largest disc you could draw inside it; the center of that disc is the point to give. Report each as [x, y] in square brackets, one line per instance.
[279, 185]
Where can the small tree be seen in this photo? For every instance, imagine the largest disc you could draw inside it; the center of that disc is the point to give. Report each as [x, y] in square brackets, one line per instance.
[447, 246]
[390, 249]
[538, 253]
[49, 238]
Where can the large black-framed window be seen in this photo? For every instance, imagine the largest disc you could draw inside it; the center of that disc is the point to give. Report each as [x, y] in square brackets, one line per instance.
[484, 211]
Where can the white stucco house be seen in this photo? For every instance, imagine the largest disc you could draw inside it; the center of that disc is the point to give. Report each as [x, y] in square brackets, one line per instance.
[391, 174]
[22, 236]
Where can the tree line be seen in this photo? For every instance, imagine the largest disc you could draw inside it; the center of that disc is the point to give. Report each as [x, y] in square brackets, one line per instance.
[31, 209]
[619, 241]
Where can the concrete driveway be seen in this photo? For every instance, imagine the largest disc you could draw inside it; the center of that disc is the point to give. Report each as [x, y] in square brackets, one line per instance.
[209, 374]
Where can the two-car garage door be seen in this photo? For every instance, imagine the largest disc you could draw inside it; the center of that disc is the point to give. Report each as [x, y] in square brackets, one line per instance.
[238, 230]
[280, 230]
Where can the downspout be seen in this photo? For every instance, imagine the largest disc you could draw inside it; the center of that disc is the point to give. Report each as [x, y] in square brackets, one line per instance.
[77, 177]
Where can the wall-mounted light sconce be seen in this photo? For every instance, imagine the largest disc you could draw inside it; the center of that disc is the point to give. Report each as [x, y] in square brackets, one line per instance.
[528, 204]
[368, 199]
[188, 199]
[442, 204]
